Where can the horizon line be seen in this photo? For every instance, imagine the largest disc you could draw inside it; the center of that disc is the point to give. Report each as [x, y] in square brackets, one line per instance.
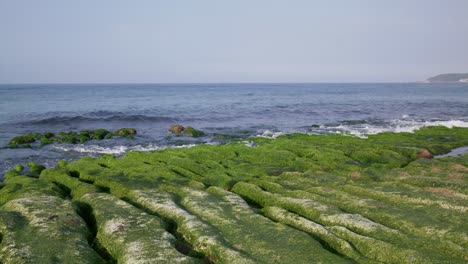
[170, 83]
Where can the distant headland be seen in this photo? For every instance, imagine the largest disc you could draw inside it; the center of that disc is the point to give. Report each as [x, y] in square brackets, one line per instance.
[449, 78]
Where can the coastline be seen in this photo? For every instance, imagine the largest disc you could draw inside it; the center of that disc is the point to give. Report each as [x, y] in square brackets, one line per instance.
[338, 197]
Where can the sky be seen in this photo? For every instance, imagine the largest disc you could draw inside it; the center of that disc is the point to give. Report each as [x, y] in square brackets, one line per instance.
[175, 41]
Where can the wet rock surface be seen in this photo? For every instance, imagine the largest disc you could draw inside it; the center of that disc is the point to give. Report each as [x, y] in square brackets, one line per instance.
[294, 199]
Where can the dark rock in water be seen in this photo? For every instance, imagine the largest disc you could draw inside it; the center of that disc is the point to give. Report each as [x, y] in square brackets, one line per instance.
[49, 135]
[176, 129]
[100, 133]
[125, 132]
[24, 139]
[424, 154]
[192, 132]
[46, 141]
[70, 137]
[83, 138]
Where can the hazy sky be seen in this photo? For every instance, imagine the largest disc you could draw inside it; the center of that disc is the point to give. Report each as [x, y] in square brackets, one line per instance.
[231, 41]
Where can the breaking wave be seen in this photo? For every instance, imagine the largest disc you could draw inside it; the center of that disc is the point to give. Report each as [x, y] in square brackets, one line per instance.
[115, 150]
[395, 126]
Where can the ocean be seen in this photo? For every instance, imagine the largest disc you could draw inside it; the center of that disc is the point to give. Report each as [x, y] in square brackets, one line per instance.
[225, 112]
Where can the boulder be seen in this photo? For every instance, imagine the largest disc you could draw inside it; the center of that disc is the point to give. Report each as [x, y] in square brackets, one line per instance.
[24, 139]
[176, 129]
[424, 154]
[125, 132]
[192, 132]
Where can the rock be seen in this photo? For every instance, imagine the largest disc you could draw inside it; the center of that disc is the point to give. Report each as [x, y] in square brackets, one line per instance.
[49, 135]
[35, 169]
[424, 154]
[44, 229]
[19, 168]
[192, 132]
[100, 133]
[176, 129]
[125, 132]
[24, 139]
[46, 141]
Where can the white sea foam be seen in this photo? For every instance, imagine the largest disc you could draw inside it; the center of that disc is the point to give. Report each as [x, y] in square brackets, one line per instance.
[270, 134]
[396, 126]
[115, 150]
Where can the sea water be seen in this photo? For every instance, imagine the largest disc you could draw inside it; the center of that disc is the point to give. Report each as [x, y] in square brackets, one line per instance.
[224, 112]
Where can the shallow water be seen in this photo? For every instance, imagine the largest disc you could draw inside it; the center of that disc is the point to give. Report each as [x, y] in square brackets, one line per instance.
[235, 110]
[454, 153]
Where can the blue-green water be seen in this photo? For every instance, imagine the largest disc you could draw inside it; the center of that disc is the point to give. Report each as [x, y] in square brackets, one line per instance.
[237, 110]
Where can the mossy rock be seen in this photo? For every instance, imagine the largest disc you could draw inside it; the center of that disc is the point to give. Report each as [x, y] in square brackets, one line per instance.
[35, 169]
[100, 133]
[43, 229]
[176, 129]
[18, 168]
[24, 139]
[125, 132]
[49, 135]
[192, 132]
[46, 141]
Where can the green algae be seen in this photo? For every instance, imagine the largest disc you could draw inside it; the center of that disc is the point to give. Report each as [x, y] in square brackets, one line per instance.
[70, 137]
[294, 199]
[192, 132]
[125, 132]
[43, 229]
[130, 235]
[24, 139]
[178, 130]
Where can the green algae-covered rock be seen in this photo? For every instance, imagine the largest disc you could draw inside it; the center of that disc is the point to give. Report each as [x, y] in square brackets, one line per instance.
[35, 169]
[129, 234]
[204, 238]
[192, 132]
[74, 186]
[49, 135]
[324, 234]
[24, 139]
[19, 186]
[294, 199]
[70, 137]
[46, 141]
[126, 132]
[18, 168]
[100, 133]
[43, 229]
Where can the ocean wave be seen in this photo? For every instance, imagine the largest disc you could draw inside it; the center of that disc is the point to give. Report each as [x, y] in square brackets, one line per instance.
[270, 134]
[60, 120]
[115, 150]
[395, 126]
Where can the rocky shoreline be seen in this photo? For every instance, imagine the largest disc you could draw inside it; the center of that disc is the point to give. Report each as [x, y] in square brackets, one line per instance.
[294, 199]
